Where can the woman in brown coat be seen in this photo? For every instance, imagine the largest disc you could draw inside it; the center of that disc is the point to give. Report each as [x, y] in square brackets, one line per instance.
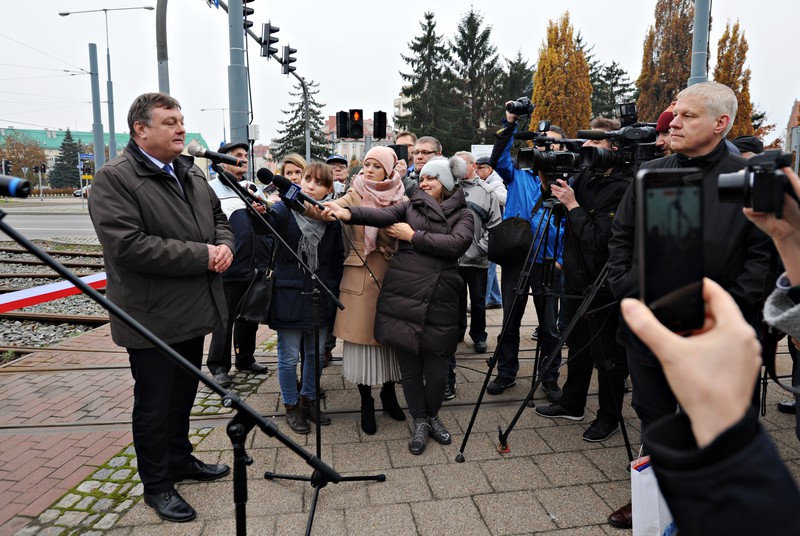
[365, 361]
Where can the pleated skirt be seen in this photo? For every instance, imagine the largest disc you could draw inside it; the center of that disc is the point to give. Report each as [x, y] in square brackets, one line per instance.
[369, 365]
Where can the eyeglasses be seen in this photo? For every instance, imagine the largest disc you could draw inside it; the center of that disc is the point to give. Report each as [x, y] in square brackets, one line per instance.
[419, 152]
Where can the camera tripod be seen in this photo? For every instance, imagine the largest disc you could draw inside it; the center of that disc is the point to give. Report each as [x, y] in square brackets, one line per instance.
[551, 215]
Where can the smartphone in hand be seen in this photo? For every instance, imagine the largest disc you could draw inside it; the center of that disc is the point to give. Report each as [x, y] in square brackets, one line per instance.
[401, 151]
[669, 232]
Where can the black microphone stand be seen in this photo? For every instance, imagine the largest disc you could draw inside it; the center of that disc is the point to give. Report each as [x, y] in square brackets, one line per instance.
[246, 417]
[318, 479]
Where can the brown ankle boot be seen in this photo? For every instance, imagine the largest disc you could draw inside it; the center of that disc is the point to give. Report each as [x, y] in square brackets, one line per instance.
[296, 420]
[309, 411]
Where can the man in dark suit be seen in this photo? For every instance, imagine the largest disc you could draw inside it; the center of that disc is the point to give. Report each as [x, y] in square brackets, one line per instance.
[165, 241]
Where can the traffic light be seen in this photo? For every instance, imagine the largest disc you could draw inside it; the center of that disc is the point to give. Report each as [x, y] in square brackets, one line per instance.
[342, 125]
[87, 169]
[247, 11]
[356, 124]
[8, 168]
[379, 125]
[267, 39]
[286, 66]
[43, 167]
[36, 169]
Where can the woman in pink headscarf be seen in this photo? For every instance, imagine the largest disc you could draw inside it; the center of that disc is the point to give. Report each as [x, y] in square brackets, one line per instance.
[364, 361]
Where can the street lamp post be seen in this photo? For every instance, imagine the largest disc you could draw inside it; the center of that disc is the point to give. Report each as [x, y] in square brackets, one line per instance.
[112, 139]
[224, 139]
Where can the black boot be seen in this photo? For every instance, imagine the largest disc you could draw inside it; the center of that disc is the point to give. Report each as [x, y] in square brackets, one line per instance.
[367, 409]
[295, 419]
[389, 402]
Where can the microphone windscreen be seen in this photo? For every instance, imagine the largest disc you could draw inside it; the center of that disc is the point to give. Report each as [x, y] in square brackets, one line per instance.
[265, 175]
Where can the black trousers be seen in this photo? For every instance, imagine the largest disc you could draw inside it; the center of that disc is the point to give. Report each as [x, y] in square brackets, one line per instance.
[424, 381]
[242, 333]
[588, 348]
[474, 282]
[163, 395]
[546, 311]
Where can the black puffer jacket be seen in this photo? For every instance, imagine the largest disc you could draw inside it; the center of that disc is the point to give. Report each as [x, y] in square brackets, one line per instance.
[419, 303]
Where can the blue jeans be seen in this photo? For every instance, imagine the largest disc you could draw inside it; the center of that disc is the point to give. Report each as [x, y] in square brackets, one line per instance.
[289, 354]
[492, 286]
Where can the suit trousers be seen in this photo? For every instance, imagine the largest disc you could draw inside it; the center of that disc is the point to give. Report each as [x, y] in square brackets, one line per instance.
[163, 395]
[243, 334]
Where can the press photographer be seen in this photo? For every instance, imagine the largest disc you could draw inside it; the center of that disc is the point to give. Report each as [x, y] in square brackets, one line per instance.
[526, 192]
[591, 203]
[735, 253]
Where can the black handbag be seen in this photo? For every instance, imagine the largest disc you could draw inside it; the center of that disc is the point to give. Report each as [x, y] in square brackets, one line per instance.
[510, 240]
[254, 305]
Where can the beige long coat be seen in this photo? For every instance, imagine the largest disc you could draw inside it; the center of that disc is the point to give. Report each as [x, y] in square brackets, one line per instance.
[358, 291]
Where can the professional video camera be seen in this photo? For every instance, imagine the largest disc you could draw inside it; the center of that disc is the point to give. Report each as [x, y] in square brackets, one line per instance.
[761, 184]
[546, 159]
[635, 143]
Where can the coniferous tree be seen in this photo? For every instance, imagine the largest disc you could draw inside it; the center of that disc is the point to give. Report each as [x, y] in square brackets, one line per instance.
[430, 86]
[612, 87]
[293, 132]
[730, 70]
[561, 87]
[665, 62]
[65, 173]
[515, 81]
[475, 67]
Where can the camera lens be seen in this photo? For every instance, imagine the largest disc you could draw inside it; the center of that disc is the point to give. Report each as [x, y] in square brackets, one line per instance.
[735, 187]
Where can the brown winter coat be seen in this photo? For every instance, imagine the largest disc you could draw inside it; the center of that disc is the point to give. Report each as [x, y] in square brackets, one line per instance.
[155, 246]
[419, 305]
[358, 290]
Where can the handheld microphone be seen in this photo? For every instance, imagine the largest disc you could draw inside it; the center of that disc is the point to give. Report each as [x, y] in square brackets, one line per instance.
[267, 177]
[197, 150]
[593, 134]
[293, 192]
[14, 186]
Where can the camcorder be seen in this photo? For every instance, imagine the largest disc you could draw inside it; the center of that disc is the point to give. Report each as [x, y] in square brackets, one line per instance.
[635, 142]
[761, 184]
[547, 159]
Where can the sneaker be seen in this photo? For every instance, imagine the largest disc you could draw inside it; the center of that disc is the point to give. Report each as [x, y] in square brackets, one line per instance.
[535, 334]
[556, 411]
[419, 437]
[438, 431]
[553, 391]
[450, 392]
[600, 431]
[500, 384]
[480, 347]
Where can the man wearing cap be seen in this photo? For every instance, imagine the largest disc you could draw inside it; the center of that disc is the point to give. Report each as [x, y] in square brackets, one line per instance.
[662, 130]
[252, 253]
[748, 145]
[338, 164]
[491, 178]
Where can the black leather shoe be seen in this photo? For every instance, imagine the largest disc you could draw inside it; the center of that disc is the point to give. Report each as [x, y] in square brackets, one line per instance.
[622, 518]
[170, 506]
[788, 406]
[254, 368]
[223, 379]
[480, 347]
[197, 470]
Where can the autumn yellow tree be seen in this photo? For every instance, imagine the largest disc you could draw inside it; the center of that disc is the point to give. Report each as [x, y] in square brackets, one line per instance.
[561, 88]
[666, 58]
[731, 71]
[24, 153]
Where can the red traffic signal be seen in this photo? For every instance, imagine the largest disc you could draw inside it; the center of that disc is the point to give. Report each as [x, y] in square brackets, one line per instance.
[357, 124]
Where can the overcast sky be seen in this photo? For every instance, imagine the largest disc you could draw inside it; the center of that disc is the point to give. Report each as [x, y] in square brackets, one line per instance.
[351, 48]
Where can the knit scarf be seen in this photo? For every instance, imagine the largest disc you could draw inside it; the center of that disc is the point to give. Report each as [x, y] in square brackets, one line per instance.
[311, 233]
[377, 194]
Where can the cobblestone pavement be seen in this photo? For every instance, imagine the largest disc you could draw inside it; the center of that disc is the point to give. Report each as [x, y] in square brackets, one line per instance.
[67, 465]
